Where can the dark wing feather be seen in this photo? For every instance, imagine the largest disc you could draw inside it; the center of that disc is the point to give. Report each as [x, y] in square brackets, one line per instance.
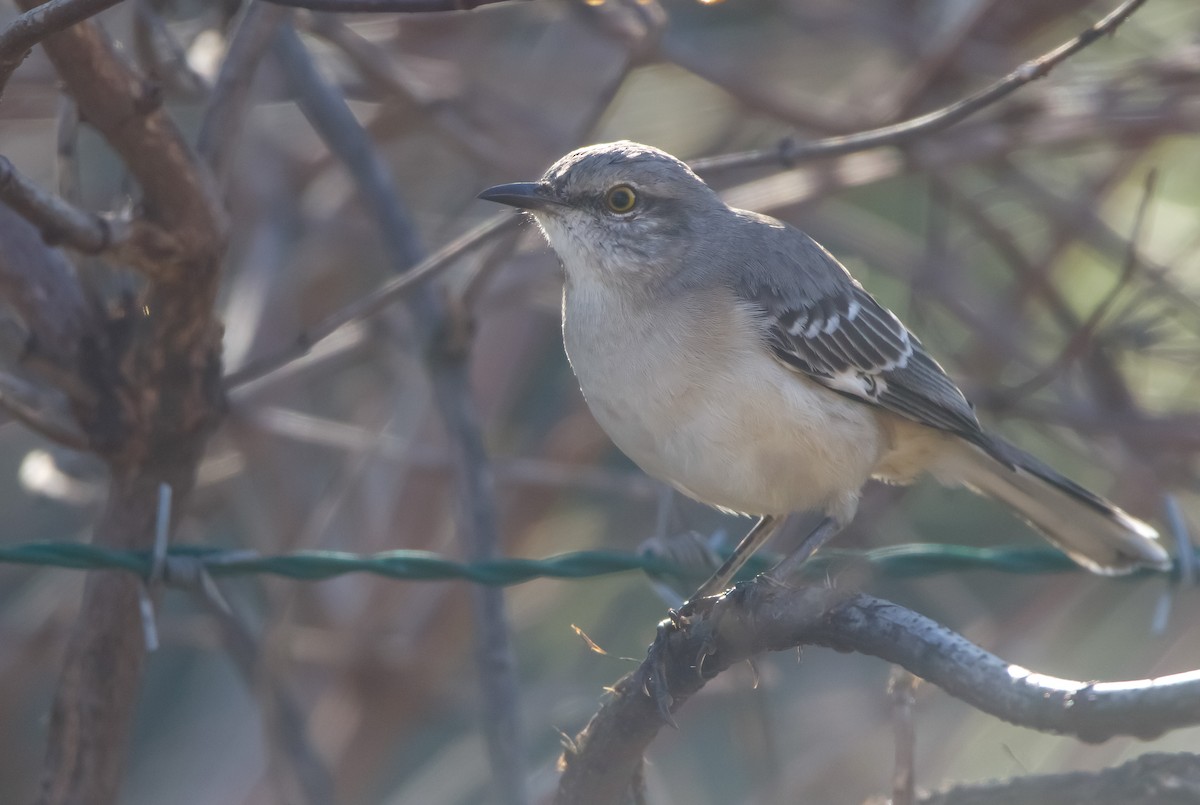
[849, 342]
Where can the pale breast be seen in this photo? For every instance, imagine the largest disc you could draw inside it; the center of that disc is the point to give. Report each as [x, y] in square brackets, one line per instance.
[691, 396]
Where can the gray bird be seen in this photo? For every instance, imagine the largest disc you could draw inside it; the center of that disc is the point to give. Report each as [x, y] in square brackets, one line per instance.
[730, 355]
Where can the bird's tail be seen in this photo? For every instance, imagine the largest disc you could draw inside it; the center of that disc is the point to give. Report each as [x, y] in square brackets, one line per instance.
[1092, 531]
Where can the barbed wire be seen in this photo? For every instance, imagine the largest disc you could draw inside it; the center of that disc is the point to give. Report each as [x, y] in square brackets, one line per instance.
[901, 561]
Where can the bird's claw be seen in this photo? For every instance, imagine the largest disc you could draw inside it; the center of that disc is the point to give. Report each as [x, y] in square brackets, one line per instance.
[655, 685]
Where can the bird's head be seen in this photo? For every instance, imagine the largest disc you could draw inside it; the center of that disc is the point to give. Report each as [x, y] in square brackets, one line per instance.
[622, 210]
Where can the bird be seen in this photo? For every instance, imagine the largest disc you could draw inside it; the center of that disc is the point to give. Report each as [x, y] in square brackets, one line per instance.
[730, 355]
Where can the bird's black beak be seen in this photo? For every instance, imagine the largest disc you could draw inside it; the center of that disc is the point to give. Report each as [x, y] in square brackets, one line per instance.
[526, 195]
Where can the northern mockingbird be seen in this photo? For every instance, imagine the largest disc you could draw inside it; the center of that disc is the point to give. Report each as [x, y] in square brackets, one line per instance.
[732, 356]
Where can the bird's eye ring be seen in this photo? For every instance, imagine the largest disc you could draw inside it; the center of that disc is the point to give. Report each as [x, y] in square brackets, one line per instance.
[621, 198]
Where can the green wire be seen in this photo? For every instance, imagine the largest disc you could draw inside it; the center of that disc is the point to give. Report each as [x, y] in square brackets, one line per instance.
[902, 561]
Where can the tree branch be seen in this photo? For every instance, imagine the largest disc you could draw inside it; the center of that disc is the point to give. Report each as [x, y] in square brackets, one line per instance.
[1153, 779]
[179, 196]
[36, 24]
[754, 618]
[375, 302]
[789, 152]
[227, 102]
[58, 221]
[385, 6]
[42, 287]
[43, 410]
[154, 369]
[478, 532]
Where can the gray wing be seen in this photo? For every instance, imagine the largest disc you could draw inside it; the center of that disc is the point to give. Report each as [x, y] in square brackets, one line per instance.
[847, 341]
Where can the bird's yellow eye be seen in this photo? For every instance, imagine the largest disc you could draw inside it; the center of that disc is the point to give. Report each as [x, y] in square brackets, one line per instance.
[621, 198]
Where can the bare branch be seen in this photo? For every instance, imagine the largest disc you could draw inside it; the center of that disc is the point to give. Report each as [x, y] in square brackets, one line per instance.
[58, 221]
[179, 195]
[1153, 779]
[478, 531]
[902, 688]
[161, 56]
[790, 152]
[283, 717]
[326, 110]
[227, 103]
[757, 617]
[42, 409]
[1043, 124]
[36, 24]
[43, 289]
[385, 6]
[376, 301]
[91, 720]
[172, 357]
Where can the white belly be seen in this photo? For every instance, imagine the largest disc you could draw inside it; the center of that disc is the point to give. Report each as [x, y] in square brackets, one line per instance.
[728, 426]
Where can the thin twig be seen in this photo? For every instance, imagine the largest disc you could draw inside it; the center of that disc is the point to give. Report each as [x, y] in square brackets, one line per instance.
[44, 410]
[790, 152]
[376, 301]
[327, 111]
[385, 6]
[283, 718]
[162, 57]
[901, 687]
[227, 101]
[1127, 118]
[157, 436]
[65, 144]
[180, 199]
[445, 110]
[1152, 779]
[36, 24]
[1083, 336]
[58, 221]
[42, 287]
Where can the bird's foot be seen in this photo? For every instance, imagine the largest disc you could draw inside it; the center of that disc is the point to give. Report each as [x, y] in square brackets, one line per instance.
[656, 685]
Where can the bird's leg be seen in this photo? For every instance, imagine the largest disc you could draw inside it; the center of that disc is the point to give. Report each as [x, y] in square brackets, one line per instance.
[655, 686]
[754, 539]
[826, 530]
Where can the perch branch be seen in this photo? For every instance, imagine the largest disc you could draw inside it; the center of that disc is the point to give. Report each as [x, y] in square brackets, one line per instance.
[756, 618]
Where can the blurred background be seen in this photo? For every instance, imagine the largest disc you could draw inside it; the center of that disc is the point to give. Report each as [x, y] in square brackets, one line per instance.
[1010, 243]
